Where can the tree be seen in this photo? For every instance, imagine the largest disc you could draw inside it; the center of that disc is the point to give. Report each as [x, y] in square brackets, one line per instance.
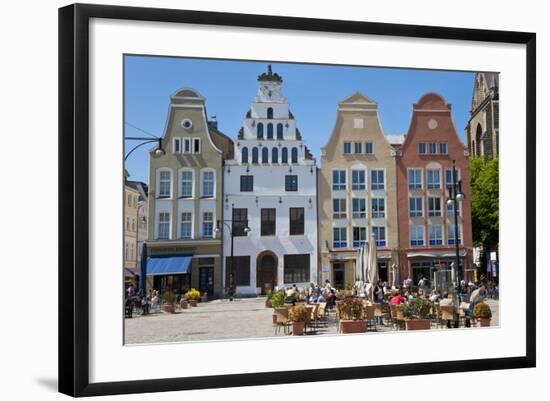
[484, 184]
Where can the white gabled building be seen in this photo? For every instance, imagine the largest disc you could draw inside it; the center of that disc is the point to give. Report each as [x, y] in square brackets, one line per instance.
[271, 188]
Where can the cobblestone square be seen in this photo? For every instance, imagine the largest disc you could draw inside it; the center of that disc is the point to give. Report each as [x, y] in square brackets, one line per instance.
[223, 320]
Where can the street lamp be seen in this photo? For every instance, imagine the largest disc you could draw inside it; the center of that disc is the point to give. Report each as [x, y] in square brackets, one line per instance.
[246, 230]
[159, 151]
[455, 196]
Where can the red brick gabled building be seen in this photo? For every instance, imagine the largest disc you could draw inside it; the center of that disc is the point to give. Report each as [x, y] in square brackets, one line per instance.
[424, 169]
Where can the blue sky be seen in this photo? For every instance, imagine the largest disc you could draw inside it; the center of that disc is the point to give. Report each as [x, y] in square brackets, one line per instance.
[312, 91]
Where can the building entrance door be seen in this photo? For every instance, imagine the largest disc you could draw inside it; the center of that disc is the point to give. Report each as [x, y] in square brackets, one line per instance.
[206, 280]
[267, 273]
[339, 275]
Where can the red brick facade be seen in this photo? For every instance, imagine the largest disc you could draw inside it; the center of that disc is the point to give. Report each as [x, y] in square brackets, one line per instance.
[431, 145]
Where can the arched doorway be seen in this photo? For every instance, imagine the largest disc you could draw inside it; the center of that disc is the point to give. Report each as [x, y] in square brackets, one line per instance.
[266, 271]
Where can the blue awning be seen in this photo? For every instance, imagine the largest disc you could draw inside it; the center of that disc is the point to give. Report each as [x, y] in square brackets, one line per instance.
[167, 265]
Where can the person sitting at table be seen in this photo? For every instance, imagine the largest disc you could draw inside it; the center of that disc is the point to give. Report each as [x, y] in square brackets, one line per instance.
[435, 297]
[476, 297]
[397, 299]
[331, 298]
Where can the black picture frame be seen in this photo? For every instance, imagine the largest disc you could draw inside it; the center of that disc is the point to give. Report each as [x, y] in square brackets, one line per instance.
[74, 198]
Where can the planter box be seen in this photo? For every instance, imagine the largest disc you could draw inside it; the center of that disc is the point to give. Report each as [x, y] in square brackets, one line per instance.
[353, 326]
[484, 322]
[184, 304]
[268, 303]
[193, 302]
[169, 308]
[298, 328]
[418, 324]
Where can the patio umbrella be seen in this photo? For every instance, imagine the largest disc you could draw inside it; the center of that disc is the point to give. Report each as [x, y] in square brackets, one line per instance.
[358, 273]
[373, 263]
[364, 262]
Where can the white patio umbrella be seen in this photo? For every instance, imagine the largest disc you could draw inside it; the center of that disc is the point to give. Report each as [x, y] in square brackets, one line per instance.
[365, 262]
[358, 265]
[373, 262]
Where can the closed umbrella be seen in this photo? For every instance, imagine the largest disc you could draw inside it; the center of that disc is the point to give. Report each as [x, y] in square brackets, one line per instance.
[358, 265]
[364, 262]
[373, 262]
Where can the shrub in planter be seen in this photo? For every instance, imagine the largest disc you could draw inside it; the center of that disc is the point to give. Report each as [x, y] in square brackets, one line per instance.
[351, 316]
[278, 299]
[298, 315]
[193, 296]
[482, 314]
[184, 303]
[169, 298]
[417, 313]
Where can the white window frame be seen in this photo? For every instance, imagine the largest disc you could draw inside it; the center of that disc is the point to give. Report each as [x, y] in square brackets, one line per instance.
[358, 243]
[190, 212]
[432, 229]
[186, 145]
[378, 214]
[409, 170]
[374, 173]
[446, 148]
[203, 222]
[430, 144]
[344, 148]
[339, 183]
[358, 214]
[379, 242]
[195, 140]
[429, 185]
[339, 214]
[340, 244]
[203, 171]
[450, 170]
[421, 146]
[360, 184]
[355, 145]
[371, 144]
[416, 204]
[178, 141]
[432, 211]
[168, 223]
[416, 229]
[171, 189]
[182, 171]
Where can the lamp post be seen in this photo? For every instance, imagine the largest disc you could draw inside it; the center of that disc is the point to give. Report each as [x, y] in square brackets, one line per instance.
[246, 230]
[455, 196]
[159, 151]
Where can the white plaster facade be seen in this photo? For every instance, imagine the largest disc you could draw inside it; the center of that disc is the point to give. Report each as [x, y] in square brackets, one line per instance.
[270, 170]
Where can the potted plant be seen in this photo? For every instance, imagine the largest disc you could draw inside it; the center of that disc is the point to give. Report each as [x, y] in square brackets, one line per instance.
[184, 303]
[482, 314]
[277, 300]
[417, 314]
[169, 299]
[268, 297]
[193, 296]
[351, 316]
[298, 316]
